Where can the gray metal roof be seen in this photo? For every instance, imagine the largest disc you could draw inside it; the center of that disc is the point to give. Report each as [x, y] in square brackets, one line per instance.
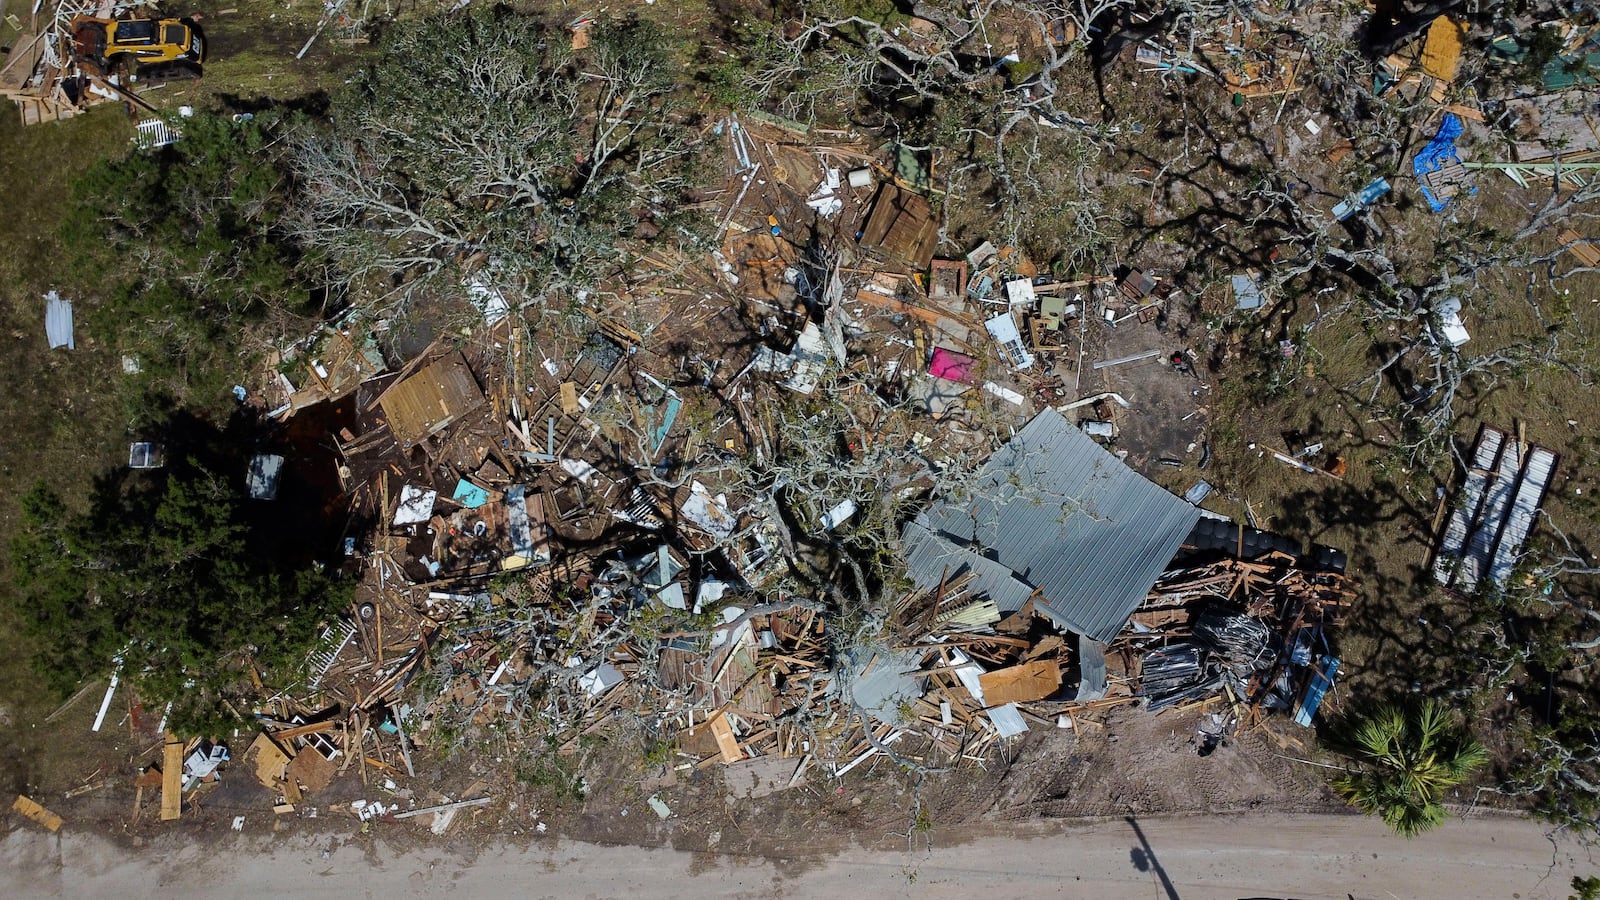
[1067, 517]
[931, 559]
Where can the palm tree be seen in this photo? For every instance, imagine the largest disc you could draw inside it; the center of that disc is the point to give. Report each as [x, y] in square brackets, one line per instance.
[1406, 758]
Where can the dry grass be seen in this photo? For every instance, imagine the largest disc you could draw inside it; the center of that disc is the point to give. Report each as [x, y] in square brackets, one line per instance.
[1383, 512]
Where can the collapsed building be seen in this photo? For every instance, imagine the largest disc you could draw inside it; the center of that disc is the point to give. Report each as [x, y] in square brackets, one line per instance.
[558, 532]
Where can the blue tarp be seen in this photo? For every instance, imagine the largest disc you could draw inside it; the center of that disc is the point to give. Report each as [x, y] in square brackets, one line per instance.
[1321, 679]
[1440, 150]
[1358, 202]
[659, 435]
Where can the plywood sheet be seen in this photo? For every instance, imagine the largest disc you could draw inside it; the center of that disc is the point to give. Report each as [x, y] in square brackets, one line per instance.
[426, 402]
[901, 224]
[311, 770]
[271, 761]
[1020, 684]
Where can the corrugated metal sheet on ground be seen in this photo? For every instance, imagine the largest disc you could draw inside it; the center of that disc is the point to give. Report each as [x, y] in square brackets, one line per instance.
[1535, 480]
[58, 321]
[882, 682]
[1455, 533]
[1496, 504]
[1069, 518]
[1495, 511]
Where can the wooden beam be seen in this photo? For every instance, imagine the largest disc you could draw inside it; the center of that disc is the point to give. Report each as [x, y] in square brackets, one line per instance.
[171, 779]
[727, 744]
[922, 314]
[1582, 249]
[479, 801]
[289, 734]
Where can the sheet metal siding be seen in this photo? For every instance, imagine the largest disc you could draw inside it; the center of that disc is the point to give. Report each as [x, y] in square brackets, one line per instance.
[1091, 669]
[58, 321]
[1064, 514]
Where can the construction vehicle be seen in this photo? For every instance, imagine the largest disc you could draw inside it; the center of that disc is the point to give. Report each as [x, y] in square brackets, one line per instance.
[145, 48]
[70, 55]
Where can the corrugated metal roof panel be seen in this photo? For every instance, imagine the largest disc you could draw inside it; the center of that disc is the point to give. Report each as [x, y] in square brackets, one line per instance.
[58, 321]
[1496, 509]
[1462, 517]
[1496, 504]
[930, 559]
[1063, 514]
[882, 683]
[1536, 476]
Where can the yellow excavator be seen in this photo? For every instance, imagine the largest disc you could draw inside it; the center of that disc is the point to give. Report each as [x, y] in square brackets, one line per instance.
[149, 49]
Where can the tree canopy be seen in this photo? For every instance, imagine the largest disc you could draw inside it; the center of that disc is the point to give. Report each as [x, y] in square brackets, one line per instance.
[480, 138]
[177, 250]
[1405, 760]
[160, 571]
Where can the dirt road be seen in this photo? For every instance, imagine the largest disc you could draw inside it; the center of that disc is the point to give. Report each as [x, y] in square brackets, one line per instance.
[1254, 857]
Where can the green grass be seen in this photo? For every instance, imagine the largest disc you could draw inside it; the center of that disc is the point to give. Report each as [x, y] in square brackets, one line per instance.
[60, 422]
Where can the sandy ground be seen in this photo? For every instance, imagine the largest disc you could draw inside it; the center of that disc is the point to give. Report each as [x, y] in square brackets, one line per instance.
[1254, 856]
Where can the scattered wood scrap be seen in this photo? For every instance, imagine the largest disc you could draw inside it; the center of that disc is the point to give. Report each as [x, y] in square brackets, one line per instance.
[32, 811]
[1580, 247]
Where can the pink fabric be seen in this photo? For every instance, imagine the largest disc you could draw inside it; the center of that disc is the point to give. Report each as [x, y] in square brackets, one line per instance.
[952, 366]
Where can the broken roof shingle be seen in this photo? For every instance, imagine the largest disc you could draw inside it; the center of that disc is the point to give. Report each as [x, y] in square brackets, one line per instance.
[1066, 517]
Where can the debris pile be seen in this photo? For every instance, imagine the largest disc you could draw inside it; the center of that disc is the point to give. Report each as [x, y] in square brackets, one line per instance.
[1256, 630]
[50, 72]
[584, 525]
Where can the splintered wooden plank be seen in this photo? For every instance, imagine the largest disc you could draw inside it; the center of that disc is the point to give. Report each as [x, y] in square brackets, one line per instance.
[726, 742]
[171, 779]
[286, 735]
[569, 400]
[37, 813]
